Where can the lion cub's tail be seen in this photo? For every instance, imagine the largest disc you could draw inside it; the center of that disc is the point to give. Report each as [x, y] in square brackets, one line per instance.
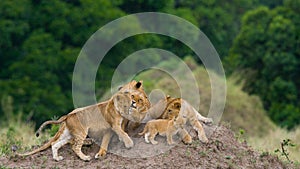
[144, 131]
[60, 120]
[46, 145]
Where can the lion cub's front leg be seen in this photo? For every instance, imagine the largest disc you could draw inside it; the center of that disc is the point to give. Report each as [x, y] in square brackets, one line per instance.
[116, 127]
[198, 127]
[170, 138]
[103, 148]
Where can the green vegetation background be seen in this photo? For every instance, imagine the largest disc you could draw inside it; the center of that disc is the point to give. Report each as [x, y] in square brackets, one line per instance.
[257, 40]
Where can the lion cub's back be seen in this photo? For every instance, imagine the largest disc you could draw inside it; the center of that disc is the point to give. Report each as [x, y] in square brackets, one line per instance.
[161, 125]
[92, 118]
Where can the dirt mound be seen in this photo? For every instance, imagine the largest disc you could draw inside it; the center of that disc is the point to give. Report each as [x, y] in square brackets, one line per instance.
[222, 151]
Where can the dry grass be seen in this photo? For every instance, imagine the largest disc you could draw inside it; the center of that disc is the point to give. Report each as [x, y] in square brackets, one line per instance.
[271, 142]
[14, 131]
[20, 134]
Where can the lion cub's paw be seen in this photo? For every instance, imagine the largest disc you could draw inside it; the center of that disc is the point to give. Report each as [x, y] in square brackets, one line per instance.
[171, 143]
[187, 139]
[208, 121]
[203, 139]
[154, 142]
[101, 153]
[86, 158]
[129, 143]
[59, 158]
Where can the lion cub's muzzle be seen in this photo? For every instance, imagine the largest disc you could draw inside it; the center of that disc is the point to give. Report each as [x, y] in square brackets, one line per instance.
[133, 104]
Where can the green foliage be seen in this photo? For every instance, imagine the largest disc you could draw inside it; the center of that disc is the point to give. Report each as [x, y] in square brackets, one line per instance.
[8, 142]
[15, 134]
[267, 52]
[37, 61]
[240, 135]
[284, 145]
[271, 141]
[40, 41]
[134, 6]
[3, 167]
[218, 19]
[284, 114]
[53, 129]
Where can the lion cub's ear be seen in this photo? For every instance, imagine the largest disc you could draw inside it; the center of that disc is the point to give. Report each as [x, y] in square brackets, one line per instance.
[139, 84]
[177, 105]
[117, 98]
[121, 87]
[168, 97]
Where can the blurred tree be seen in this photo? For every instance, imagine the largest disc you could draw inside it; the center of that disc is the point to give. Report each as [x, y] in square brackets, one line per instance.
[41, 39]
[218, 19]
[13, 29]
[135, 6]
[268, 48]
[33, 82]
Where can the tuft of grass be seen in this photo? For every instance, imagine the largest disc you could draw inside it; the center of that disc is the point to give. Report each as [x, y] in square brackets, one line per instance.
[202, 154]
[228, 157]
[188, 152]
[264, 154]
[15, 134]
[240, 135]
[9, 143]
[273, 140]
[283, 151]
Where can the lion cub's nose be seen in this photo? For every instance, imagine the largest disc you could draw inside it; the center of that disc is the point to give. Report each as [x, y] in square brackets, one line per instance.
[133, 104]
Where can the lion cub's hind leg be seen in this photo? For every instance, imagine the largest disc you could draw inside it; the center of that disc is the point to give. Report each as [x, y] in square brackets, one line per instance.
[79, 134]
[64, 138]
[152, 135]
[147, 137]
[79, 137]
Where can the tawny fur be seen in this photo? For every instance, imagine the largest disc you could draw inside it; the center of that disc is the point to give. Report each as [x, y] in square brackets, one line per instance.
[160, 111]
[192, 116]
[163, 127]
[75, 126]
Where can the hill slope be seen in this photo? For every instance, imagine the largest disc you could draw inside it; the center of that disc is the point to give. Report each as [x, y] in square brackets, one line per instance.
[222, 151]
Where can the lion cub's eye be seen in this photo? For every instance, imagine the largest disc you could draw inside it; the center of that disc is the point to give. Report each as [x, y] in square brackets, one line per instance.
[140, 100]
[169, 110]
[132, 96]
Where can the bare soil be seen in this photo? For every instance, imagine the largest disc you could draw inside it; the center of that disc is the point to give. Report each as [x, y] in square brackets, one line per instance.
[224, 150]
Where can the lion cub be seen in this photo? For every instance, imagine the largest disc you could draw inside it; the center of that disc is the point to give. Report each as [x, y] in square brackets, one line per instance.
[164, 127]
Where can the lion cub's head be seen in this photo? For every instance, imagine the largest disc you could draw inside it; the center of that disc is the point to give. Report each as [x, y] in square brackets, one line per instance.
[172, 112]
[172, 108]
[135, 86]
[131, 105]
